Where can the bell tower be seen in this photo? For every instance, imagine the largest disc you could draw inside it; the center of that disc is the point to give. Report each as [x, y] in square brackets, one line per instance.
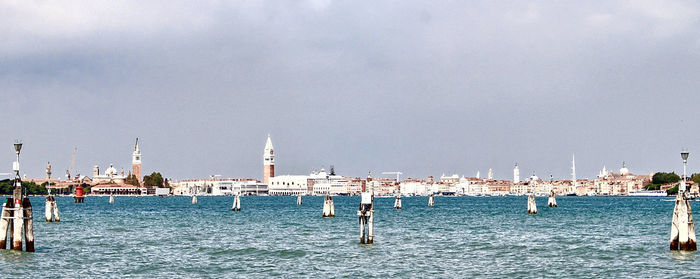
[136, 162]
[268, 161]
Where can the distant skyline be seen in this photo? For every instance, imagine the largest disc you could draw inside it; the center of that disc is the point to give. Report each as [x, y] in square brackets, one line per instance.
[419, 87]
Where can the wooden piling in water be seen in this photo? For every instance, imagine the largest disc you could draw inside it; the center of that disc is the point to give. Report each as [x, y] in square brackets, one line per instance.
[531, 205]
[17, 223]
[194, 199]
[328, 207]
[370, 225]
[299, 200]
[362, 226]
[48, 209]
[552, 201]
[682, 226]
[397, 202]
[111, 198]
[56, 216]
[6, 223]
[236, 203]
[28, 225]
[366, 218]
[431, 200]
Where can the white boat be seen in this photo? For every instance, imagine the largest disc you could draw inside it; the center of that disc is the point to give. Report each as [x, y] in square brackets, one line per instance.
[647, 193]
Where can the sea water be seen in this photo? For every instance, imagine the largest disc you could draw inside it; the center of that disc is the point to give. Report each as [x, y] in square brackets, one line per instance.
[485, 237]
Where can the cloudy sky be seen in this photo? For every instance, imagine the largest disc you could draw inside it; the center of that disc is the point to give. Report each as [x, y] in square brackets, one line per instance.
[421, 87]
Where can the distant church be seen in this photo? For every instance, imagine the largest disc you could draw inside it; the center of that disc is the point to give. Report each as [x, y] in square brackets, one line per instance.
[111, 175]
[136, 162]
[268, 161]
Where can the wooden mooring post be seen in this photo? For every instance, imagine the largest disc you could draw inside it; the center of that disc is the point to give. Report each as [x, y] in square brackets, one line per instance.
[431, 200]
[531, 205]
[366, 219]
[236, 203]
[51, 210]
[552, 201]
[17, 219]
[397, 202]
[51, 207]
[328, 207]
[682, 226]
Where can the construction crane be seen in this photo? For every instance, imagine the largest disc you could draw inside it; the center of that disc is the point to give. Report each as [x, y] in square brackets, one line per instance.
[72, 164]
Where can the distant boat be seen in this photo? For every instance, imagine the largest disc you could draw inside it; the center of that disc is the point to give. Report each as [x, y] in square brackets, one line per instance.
[648, 193]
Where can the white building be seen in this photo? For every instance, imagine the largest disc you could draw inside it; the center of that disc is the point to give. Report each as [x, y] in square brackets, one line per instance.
[413, 188]
[316, 183]
[219, 187]
[110, 175]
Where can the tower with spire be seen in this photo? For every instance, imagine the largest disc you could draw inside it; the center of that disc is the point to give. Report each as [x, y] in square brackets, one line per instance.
[136, 162]
[268, 161]
[516, 174]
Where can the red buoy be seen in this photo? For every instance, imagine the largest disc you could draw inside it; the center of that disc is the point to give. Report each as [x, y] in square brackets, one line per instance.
[79, 197]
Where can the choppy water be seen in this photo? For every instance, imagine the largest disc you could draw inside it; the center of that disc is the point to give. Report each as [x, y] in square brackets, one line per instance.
[493, 237]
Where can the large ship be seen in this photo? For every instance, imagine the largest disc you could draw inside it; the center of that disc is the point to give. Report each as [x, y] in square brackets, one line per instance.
[648, 193]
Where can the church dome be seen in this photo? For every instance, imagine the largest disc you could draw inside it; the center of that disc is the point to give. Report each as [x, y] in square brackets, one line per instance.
[624, 170]
[111, 170]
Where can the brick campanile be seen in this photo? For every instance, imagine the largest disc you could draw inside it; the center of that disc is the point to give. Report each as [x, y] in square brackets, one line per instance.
[268, 161]
[136, 162]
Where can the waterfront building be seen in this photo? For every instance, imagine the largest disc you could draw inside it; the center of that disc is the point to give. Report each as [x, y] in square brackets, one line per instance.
[110, 176]
[114, 189]
[324, 183]
[413, 187]
[449, 179]
[609, 183]
[498, 187]
[289, 185]
[316, 183]
[219, 187]
[385, 186]
[520, 188]
[355, 185]
[268, 161]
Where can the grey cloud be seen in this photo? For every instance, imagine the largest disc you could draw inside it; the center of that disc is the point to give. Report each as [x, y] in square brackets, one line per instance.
[420, 87]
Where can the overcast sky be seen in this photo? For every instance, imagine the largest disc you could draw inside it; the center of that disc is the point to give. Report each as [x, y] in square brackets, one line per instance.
[425, 87]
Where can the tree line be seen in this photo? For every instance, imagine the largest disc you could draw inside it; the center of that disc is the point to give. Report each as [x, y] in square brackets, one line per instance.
[31, 188]
[155, 179]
